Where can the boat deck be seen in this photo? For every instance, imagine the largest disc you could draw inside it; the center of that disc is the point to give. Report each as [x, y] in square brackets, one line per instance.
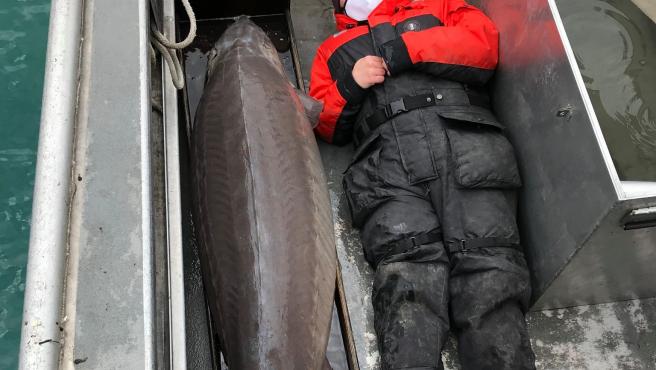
[606, 336]
[114, 277]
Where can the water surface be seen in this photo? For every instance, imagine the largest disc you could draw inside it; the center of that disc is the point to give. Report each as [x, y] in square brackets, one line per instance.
[23, 34]
[615, 46]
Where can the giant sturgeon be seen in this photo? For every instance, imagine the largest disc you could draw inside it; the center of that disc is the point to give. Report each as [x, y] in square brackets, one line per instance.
[262, 210]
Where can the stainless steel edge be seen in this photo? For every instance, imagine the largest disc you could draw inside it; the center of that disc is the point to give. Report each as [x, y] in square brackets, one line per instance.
[44, 285]
[578, 76]
[146, 187]
[177, 335]
[638, 189]
[648, 7]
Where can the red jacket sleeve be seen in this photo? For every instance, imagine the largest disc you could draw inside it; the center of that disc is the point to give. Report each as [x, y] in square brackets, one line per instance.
[464, 49]
[341, 97]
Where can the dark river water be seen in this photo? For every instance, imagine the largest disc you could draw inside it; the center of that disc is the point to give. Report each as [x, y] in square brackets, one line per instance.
[23, 35]
[615, 47]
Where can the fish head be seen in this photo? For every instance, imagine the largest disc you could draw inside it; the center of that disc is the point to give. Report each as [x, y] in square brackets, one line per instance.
[244, 39]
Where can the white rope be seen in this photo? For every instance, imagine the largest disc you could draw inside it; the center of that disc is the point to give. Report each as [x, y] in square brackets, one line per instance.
[168, 48]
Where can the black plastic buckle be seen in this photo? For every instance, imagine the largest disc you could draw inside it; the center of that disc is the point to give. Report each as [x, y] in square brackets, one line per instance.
[397, 107]
[463, 246]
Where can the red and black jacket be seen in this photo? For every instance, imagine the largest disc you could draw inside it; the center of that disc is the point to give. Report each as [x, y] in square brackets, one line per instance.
[445, 39]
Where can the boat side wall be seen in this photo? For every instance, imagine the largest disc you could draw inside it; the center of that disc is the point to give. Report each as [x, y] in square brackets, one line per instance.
[613, 265]
[569, 186]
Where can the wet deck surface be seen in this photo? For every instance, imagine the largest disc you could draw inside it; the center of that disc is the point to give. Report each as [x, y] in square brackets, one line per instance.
[618, 67]
[607, 336]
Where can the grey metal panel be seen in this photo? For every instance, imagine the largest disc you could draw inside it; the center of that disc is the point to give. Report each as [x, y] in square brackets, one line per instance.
[568, 188]
[109, 298]
[613, 265]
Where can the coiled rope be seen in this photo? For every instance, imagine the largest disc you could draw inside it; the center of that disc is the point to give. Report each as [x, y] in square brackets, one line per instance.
[169, 48]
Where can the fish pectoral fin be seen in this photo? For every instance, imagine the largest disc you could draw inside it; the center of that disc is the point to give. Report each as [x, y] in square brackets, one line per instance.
[312, 106]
